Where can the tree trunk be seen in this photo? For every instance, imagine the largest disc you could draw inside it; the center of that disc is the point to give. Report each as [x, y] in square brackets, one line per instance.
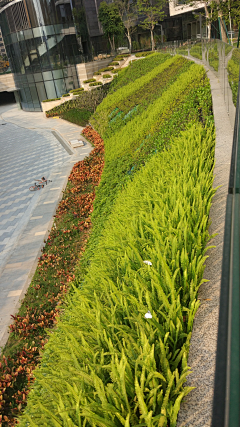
[223, 31]
[113, 41]
[111, 44]
[222, 27]
[129, 40]
[152, 39]
[208, 21]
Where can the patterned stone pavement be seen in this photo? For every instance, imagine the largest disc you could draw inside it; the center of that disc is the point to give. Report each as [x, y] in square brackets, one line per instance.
[35, 154]
[28, 152]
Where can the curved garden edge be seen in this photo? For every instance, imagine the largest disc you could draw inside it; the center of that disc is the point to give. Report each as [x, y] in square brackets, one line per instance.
[196, 409]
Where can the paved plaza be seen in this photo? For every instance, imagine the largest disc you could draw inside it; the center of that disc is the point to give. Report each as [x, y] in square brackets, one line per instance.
[28, 151]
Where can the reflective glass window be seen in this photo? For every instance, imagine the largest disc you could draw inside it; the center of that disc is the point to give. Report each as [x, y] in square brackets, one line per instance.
[13, 38]
[75, 82]
[67, 71]
[20, 35]
[41, 91]
[49, 30]
[50, 89]
[34, 94]
[37, 32]
[38, 77]
[57, 74]
[28, 34]
[58, 28]
[60, 87]
[30, 78]
[69, 84]
[47, 75]
[25, 57]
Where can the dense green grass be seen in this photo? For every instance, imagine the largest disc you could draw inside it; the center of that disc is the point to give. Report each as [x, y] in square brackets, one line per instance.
[107, 364]
[79, 117]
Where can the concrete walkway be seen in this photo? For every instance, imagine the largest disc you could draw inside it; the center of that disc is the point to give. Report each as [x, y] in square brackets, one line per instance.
[29, 150]
[196, 409]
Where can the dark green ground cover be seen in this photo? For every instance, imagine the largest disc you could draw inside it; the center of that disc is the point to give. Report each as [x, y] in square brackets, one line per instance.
[79, 117]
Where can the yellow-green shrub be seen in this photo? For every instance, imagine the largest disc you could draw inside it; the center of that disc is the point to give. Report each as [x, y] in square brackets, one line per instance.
[106, 364]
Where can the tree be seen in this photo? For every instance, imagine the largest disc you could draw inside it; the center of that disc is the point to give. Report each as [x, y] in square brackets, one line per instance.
[229, 9]
[129, 15]
[220, 10]
[152, 11]
[80, 22]
[110, 19]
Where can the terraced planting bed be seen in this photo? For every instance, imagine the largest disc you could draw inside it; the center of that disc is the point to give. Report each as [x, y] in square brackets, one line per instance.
[118, 354]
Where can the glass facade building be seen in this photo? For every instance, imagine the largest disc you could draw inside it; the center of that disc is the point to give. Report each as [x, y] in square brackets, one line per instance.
[42, 47]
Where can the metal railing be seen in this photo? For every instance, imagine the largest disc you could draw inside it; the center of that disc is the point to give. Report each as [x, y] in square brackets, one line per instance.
[215, 54]
[226, 404]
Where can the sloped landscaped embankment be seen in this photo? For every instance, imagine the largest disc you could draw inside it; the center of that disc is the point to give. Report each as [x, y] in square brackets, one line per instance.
[118, 356]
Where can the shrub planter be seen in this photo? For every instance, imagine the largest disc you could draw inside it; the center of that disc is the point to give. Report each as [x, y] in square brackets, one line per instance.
[46, 106]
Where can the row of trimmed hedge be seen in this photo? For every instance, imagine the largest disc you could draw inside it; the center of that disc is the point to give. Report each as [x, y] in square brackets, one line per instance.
[140, 93]
[87, 100]
[107, 364]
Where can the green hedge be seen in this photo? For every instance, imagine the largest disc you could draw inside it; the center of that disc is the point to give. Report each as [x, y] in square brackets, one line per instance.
[233, 73]
[143, 54]
[53, 99]
[79, 117]
[87, 100]
[102, 70]
[76, 90]
[106, 364]
[196, 51]
[138, 69]
[125, 93]
[213, 57]
[96, 84]
[89, 81]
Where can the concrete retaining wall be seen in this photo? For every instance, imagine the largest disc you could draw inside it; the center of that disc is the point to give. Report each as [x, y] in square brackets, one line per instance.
[7, 83]
[86, 71]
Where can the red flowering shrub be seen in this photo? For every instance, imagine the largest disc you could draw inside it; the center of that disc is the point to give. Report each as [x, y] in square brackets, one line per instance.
[41, 305]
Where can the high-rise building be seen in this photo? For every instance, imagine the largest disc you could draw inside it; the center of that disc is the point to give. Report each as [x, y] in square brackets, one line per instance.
[2, 45]
[42, 47]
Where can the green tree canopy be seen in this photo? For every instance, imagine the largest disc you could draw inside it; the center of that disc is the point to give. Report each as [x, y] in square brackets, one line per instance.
[111, 22]
[152, 12]
[129, 14]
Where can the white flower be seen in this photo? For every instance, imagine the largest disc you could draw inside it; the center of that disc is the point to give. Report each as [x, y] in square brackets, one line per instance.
[147, 262]
[148, 315]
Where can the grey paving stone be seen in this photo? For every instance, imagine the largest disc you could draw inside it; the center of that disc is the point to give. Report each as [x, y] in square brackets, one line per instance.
[36, 153]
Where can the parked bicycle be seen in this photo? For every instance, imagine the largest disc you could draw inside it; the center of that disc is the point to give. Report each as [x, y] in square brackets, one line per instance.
[40, 184]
